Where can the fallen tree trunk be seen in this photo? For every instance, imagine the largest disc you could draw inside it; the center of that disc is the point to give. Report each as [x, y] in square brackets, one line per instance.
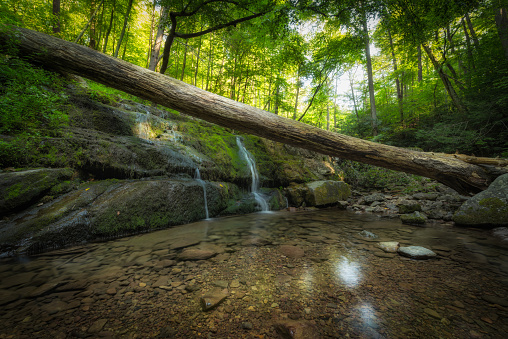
[64, 56]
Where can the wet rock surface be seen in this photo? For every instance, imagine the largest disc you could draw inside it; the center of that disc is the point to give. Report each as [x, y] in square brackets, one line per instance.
[489, 207]
[343, 285]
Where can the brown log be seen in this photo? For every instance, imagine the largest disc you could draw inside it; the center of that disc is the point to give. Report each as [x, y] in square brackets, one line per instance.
[68, 57]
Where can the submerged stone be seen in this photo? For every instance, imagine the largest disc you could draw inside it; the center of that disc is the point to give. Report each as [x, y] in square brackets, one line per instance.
[196, 254]
[292, 251]
[212, 299]
[368, 235]
[489, 207]
[416, 252]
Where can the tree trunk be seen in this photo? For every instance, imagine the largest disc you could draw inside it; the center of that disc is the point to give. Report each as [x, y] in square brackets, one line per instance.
[295, 113]
[400, 98]
[184, 61]
[104, 48]
[93, 10]
[446, 82]
[370, 80]
[65, 56]
[154, 56]
[56, 16]
[125, 22]
[473, 32]
[502, 27]
[420, 68]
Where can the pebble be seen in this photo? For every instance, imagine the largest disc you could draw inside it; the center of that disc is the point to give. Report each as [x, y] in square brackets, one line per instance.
[416, 252]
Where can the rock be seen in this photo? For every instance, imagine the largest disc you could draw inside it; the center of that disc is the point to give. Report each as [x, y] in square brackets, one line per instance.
[8, 297]
[408, 206]
[293, 329]
[247, 325]
[185, 242]
[326, 192]
[318, 193]
[55, 306]
[415, 218]
[97, 326]
[425, 196]
[256, 241]
[291, 251]
[501, 233]
[495, 300]
[20, 189]
[212, 299]
[375, 197]
[17, 279]
[368, 235]
[416, 252]
[432, 313]
[221, 283]
[389, 246]
[486, 208]
[196, 254]
[162, 281]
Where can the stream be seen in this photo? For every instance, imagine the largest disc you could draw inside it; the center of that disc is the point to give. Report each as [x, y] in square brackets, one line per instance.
[307, 274]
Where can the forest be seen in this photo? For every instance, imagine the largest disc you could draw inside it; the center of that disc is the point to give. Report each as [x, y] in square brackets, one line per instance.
[429, 75]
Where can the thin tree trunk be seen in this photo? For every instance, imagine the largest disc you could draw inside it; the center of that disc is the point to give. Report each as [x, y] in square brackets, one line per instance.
[351, 82]
[502, 27]
[184, 61]
[87, 24]
[446, 82]
[370, 80]
[420, 67]
[472, 31]
[328, 117]
[197, 64]
[126, 41]
[460, 174]
[56, 16]
[209, 73]
[125, 22]
[397, 82]
[154, 56]
[295, 112]
[93, 10]
[104, 48]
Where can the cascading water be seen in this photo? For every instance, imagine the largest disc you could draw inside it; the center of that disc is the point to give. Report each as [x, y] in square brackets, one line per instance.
[202, 183]
[255, 175]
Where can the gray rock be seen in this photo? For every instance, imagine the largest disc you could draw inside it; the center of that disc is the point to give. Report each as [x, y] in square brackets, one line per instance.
[247, 325]
[489, 207]
[416, 252]
[501, 233]
[369, 199]
[367, 234]
[389, 246]
[413, 218]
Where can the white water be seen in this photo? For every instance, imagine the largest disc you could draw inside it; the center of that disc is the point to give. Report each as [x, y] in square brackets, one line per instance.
[255, 176]
[202, 183]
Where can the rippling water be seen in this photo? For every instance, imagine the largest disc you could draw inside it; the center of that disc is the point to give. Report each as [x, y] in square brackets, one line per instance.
[277, 275]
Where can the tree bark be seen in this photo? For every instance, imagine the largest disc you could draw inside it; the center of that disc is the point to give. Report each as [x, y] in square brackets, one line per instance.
[65, 56]
[370, 80]
[400, 97]
[446, 82]
[110, 26]
[125, 22]
[502, 27]
[56, 16]
[154, 56]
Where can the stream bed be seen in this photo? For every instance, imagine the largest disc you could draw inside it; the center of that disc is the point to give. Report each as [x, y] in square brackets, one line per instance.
[265, 275]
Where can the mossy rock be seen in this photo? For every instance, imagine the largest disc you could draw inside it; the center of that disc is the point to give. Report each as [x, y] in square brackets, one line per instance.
[415, 218]
[20, 189]
[112, 208]
[487, 208]
[318, 193]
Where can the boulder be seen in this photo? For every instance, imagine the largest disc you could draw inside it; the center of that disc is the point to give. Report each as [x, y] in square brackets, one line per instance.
[20, 189]
[487, 208]
[318, 193]
[110, 208]
[416, 252]
[415, 218]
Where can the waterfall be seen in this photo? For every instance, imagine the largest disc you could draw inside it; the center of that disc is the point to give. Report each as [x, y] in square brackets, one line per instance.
[255, 175]
[202, 183]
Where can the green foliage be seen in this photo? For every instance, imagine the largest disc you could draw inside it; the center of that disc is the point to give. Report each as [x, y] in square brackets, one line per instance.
[362, 175]
[30, 100]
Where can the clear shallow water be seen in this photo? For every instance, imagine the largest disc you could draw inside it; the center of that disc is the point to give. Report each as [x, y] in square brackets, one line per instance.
[343, 285]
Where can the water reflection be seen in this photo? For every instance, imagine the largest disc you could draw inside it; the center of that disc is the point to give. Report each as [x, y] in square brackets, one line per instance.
[348, 272]
[333, 284]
